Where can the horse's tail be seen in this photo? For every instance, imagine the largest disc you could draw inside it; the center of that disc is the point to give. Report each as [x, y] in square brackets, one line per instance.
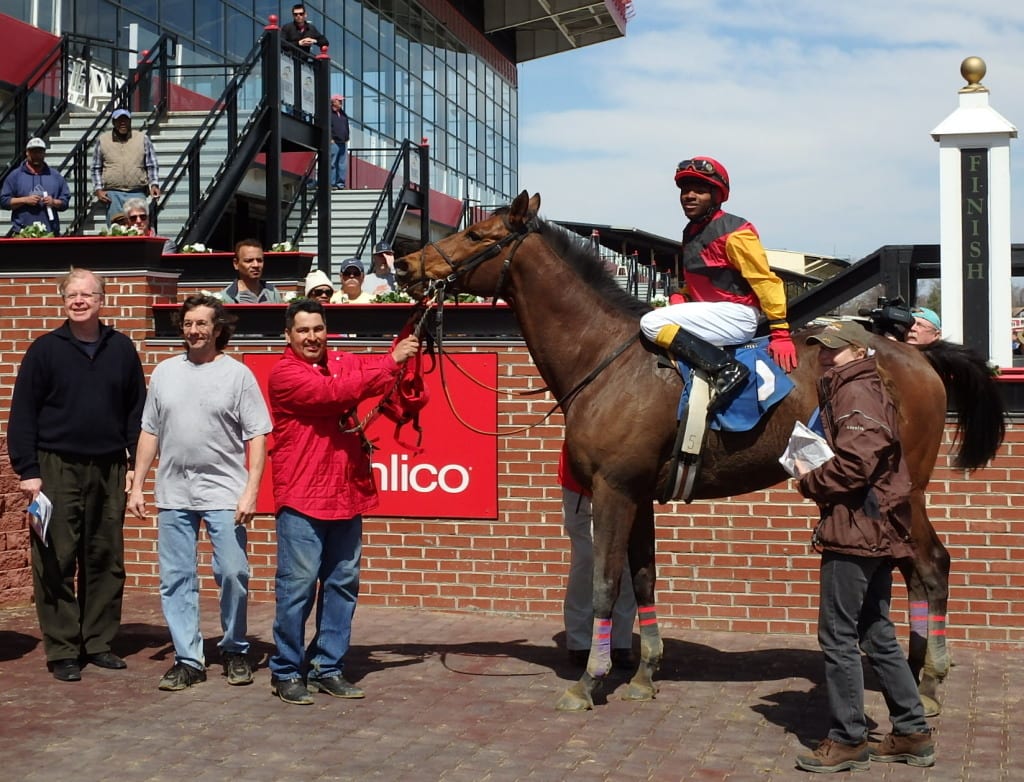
[974, 397]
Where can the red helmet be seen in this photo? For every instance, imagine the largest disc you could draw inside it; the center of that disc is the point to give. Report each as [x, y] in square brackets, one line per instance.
[706, 169]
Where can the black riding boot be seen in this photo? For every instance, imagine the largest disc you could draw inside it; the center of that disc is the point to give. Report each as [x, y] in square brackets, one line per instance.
[727, 374]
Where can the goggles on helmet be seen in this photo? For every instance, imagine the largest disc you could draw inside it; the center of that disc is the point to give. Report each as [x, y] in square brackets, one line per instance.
[700, 166]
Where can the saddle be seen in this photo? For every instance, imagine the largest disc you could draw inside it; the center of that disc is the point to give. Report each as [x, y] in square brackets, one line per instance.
[766, 386]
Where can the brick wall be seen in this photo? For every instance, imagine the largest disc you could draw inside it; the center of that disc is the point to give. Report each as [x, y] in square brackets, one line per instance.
[742, 563]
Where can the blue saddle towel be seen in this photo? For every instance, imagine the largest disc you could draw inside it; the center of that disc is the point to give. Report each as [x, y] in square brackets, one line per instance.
[766, 386]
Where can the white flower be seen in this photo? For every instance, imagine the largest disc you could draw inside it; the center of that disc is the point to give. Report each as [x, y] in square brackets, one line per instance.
[198, 247]
[282, 247]
[288, 296]
[659, 300]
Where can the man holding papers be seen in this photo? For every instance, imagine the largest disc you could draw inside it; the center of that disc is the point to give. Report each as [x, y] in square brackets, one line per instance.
[863, 493]
[73, 427]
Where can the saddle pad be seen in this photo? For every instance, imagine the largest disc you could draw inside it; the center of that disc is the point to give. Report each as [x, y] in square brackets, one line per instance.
[766, 386]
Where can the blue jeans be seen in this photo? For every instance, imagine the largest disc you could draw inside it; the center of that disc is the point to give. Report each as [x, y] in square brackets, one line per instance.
[118, 197]
[339, 164]
[855, 597]
[310, 551]
[179, 580]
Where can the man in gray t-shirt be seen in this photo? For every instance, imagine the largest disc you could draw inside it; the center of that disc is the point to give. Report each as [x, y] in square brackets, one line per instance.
[203, 411]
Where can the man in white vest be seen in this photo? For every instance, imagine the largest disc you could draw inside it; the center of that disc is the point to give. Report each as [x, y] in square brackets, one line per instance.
[124, 165]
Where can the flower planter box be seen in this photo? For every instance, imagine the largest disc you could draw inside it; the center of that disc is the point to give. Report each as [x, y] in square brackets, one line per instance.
[100, 253]
[217, 269]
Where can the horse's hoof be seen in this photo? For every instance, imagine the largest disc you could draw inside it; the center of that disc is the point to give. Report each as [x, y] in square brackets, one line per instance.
[639, 692]
[932, 708]
[573, 701]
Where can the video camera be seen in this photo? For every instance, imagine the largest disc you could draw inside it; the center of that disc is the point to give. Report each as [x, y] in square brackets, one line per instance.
[892, 317]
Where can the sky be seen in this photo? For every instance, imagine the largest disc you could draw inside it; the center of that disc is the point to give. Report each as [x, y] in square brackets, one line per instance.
[820, 111]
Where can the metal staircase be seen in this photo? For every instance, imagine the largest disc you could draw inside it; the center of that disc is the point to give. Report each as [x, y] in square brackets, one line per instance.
[351, 212]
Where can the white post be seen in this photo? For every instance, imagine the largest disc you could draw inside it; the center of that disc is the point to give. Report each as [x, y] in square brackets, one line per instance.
[974, 217]
[133, 46]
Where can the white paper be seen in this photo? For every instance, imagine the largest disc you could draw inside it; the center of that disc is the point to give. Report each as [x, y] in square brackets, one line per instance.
[806, 446]
[39, 513]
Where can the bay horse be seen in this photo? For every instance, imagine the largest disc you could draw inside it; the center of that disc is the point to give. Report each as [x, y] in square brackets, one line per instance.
[620, 409]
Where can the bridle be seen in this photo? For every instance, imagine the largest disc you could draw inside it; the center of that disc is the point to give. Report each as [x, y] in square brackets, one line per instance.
[436, 288]
[435, 294]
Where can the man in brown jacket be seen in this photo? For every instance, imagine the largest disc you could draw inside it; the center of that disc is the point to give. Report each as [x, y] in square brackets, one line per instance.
[863, 495]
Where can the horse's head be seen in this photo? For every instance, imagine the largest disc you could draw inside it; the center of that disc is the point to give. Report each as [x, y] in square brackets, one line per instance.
[476, 259]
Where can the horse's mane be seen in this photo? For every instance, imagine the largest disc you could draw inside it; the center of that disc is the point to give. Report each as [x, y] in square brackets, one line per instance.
[580, 255]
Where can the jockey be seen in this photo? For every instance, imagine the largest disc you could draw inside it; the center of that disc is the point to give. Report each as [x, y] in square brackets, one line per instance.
[727, 285]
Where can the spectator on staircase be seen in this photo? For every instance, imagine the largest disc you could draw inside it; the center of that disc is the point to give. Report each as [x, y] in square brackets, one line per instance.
[300, 31]
[249, 287]
[340, 135]
[136, 215]
[35, 192]
[124, 165]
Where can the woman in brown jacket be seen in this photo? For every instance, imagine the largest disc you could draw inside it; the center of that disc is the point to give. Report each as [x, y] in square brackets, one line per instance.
[863, 495]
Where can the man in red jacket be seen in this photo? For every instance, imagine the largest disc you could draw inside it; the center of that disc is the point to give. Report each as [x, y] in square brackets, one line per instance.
[322, 486]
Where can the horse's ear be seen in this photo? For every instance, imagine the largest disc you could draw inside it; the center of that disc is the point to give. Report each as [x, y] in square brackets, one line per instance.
[519, 211]
[535, 204]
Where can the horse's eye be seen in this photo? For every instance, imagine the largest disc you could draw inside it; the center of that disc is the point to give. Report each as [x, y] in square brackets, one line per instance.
[474, 236]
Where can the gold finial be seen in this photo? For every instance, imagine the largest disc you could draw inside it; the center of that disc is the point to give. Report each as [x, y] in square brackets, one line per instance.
[973, 70]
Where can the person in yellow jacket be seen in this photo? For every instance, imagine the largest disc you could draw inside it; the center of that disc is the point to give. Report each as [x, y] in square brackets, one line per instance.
[727, 286]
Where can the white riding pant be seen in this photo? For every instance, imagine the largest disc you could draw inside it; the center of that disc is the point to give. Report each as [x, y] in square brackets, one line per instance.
[718, 322]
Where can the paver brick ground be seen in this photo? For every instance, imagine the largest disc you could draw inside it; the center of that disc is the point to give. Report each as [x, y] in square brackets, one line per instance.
[466, 698]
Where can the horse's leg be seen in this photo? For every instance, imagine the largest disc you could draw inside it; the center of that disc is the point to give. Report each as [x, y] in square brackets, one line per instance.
[927, 577]
[641, 565]
[613, 516]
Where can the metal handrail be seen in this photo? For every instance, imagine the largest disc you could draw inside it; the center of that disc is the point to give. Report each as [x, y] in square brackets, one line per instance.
[78, 162]
[396, 206]
[226, 105]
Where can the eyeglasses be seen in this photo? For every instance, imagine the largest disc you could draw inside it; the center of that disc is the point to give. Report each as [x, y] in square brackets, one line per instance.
[351, 274]
[298, 13]
[84, 296]
[700, 166]
[321, 292]
[138, 218]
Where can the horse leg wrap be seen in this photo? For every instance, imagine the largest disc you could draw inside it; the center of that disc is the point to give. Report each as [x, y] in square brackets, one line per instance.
[919, 618]
[650, 635]
[600, 662]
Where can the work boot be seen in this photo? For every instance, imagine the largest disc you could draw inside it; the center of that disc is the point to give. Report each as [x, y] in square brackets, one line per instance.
[831, 756]
[727, 374]
[914, 749]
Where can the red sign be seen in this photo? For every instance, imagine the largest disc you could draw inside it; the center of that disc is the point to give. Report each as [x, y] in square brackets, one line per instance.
[456, 475]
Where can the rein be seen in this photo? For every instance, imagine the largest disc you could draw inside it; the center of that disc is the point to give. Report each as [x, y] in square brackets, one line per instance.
[436, 290]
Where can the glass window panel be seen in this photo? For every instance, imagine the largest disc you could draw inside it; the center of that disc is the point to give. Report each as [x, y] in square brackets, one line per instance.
[387, 37]
[240, 33]
[177, 15]
[428, 103]
[415, 57]
[353, 55]
[415, 94]
[210, 25]
[371, 69]
[387, 76]
[371, 110]
[401, 51]
[370, 27]
[262, 9]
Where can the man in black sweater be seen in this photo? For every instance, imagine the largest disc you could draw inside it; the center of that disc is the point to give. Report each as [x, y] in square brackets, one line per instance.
[301, 32]
[74, 424]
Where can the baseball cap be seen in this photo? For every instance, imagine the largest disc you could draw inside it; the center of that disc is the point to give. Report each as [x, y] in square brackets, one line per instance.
[382, 247]
[841, 334]
[929, 315]
[353, 263]
[35, 143]
[118, 113]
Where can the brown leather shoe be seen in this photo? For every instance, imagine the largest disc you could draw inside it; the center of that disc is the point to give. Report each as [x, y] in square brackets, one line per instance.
[914, 749]
[831, 756]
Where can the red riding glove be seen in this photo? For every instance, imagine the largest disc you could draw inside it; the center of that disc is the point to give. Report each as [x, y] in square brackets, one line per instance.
[782, 349]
